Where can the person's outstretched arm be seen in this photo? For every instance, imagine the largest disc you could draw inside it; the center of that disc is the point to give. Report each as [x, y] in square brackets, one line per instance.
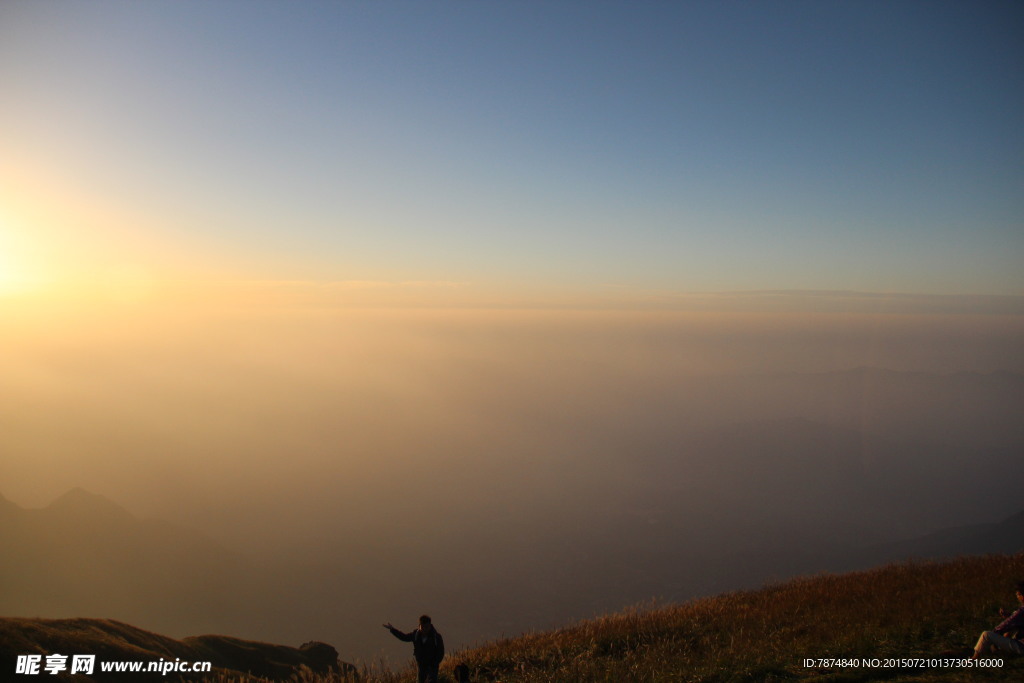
[407, 637]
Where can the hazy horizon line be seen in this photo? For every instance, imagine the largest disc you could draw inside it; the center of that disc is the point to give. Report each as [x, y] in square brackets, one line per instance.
[465, 295]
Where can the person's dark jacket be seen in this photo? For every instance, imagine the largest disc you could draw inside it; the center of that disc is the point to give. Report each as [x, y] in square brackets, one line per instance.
[427, 646]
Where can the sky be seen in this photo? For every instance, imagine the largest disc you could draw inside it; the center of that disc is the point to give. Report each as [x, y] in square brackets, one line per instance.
[513, 151]
[292, 273]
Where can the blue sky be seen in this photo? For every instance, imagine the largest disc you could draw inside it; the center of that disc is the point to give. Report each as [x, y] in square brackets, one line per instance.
[661, 146]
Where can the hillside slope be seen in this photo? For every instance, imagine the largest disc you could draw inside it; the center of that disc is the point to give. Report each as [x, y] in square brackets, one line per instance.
[902, 611]
[113, 641]
[927, 612]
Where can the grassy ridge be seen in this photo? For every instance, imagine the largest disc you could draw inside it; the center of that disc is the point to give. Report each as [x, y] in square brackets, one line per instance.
[115, 641]
[901, 611]
[898, 611]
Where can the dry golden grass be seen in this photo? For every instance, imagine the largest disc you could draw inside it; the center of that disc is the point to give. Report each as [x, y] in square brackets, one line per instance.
[914, 610]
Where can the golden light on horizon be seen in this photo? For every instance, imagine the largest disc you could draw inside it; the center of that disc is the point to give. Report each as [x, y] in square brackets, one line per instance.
[20, 273]
[30, 246]
[57, 240]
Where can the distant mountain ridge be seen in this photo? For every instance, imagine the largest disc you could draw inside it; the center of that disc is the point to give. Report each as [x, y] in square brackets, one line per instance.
[78, 501]
[7, 507]
[84, 554]
[1005, 536]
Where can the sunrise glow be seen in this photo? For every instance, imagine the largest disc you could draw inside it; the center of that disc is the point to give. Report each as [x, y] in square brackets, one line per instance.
[317, 315]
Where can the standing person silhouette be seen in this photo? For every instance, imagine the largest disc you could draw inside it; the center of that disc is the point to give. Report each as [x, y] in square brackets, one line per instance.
[427, 648]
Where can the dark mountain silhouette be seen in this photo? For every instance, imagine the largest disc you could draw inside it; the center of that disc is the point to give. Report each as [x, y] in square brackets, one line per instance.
[113, 641]
[1004, 537]
[89, 508]
[737, 505]
[794, 480]
[968, 409]
[7, 508]
[83, 554]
